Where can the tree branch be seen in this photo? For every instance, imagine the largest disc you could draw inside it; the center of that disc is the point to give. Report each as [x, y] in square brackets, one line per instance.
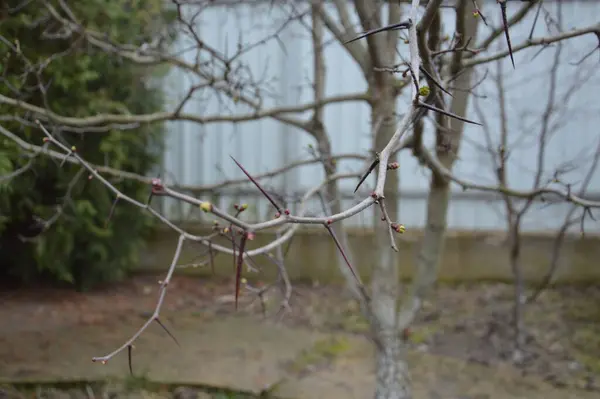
[106, 119]
[595, 29]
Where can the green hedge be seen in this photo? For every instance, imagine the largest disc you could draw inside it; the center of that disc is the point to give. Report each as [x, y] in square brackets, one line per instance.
[80, 247]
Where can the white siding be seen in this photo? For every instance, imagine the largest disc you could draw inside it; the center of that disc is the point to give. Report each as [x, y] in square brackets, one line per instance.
[199, 154]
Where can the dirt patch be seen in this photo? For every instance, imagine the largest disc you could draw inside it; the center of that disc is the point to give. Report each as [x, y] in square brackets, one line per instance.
[466, 323]
[473, 323]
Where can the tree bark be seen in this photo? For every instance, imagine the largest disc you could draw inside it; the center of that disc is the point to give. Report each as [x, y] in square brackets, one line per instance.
[515, 259]
[391, 369]
[392, 378]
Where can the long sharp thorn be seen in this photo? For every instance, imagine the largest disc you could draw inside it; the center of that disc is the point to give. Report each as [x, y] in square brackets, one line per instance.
[435, 82]
[478, 11]
[233, 249]
[483, 18]
[211, 258]
[401, 25]
[450, 114]
[367, 173]
[537, 14]
[151, 193]
[238, 271]
[111, 212]
[129, 348]
[257, 185]
[149, 198]
[160, 323]
[339, 247]
[506, 34]
[589, 212]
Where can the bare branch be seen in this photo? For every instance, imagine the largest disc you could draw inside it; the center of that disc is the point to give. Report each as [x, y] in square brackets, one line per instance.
[134, 120]
[595, 29]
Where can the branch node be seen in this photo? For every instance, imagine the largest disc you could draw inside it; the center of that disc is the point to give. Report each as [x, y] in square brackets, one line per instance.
[157, 186]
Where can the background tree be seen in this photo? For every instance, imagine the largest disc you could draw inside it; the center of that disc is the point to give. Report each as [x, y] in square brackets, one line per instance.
[511, 136]
[46, 66]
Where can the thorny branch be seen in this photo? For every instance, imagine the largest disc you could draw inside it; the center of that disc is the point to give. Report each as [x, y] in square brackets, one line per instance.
[594, 29]
[247, 230]
[222, 82]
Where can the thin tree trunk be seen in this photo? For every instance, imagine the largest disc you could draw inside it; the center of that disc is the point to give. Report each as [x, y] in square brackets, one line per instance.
[392, 376]
[515, 258]
[391, 369]
[393, 381]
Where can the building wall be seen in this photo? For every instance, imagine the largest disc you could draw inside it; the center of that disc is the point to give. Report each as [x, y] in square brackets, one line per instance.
[199, 154]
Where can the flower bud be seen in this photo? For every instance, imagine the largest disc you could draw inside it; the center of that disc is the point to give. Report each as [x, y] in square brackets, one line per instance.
[424, 91]
[398, 228]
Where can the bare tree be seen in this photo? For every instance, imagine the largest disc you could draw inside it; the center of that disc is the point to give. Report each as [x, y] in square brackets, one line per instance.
[436, 77]
[504, 146]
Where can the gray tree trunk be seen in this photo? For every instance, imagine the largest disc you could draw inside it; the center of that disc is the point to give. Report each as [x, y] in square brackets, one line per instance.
[391, 369]
[392, 378]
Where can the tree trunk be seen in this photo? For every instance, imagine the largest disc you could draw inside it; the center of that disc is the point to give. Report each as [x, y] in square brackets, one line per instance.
[515, 259]
[391, 369]
[393, 381]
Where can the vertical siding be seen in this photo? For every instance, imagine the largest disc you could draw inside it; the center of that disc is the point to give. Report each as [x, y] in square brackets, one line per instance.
[199, 154]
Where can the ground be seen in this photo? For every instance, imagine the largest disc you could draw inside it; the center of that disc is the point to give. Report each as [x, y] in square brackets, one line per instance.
[460, 346]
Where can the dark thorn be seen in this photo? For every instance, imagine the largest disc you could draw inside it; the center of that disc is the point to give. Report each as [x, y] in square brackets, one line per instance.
[367, 173]
[167, 330]
[281, 44]
[339, 247]
[257, 185]
[506, 34]
[401, 25]
[589, 212]
[450, 114]
[483, 18]
[539, 51]
[111, 212]
[263, 306]
[149, 198]
[211, 257]
[238, 271]
[129, 348]
[537, 14]
[435, 82]
[151, 192]
[232, 237]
